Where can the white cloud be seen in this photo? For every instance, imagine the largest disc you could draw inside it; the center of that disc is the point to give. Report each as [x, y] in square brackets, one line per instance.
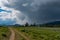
[25, 4]
[14, 15]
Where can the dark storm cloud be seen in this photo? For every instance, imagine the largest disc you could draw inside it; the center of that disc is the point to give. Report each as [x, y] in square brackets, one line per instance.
[39, 11]
[50, 11]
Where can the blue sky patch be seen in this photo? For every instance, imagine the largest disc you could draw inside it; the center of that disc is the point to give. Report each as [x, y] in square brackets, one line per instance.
[2, 10]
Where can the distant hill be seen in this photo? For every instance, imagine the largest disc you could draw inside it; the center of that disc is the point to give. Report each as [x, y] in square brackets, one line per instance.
[17, 25]
[53, 23]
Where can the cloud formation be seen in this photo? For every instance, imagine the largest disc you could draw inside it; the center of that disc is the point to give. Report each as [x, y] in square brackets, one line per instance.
[14, 17]
[34, 11]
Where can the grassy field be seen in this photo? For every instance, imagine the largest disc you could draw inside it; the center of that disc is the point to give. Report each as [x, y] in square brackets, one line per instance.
[32, 33]
[18, 37]
[4, 33]
[37, 33]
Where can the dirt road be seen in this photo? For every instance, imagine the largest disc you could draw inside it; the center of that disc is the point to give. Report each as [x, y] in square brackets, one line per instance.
[26, 38]
[12, 36]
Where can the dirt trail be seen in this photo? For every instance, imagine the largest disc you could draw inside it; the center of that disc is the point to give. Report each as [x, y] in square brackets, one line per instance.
[12, 36]
[26, 38]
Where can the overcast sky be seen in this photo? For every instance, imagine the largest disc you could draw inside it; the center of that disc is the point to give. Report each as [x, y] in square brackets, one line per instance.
[31, 11]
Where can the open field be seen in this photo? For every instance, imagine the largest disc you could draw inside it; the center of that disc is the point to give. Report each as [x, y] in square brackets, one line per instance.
[9, 34]
[37, 33]
[18, 37]
[30, 33]
[4, 33]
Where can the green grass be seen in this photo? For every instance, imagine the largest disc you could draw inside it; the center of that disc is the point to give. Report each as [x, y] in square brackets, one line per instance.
[37, 33]
[4, 30]
[18, 37]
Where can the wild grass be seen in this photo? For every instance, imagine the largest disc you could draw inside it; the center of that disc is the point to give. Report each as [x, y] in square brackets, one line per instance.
[18, 37]
[4, 33]
[39, 33]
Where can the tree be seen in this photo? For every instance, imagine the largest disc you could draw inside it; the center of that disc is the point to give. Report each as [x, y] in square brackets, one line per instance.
[34, 24]
[26, 24]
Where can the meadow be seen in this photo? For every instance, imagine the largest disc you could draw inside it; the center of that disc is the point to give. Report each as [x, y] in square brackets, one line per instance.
[40, 33]
[31, 33]
[18, 37]
[4, 33]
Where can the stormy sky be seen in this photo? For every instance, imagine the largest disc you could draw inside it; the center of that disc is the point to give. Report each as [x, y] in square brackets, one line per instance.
[31, 11]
